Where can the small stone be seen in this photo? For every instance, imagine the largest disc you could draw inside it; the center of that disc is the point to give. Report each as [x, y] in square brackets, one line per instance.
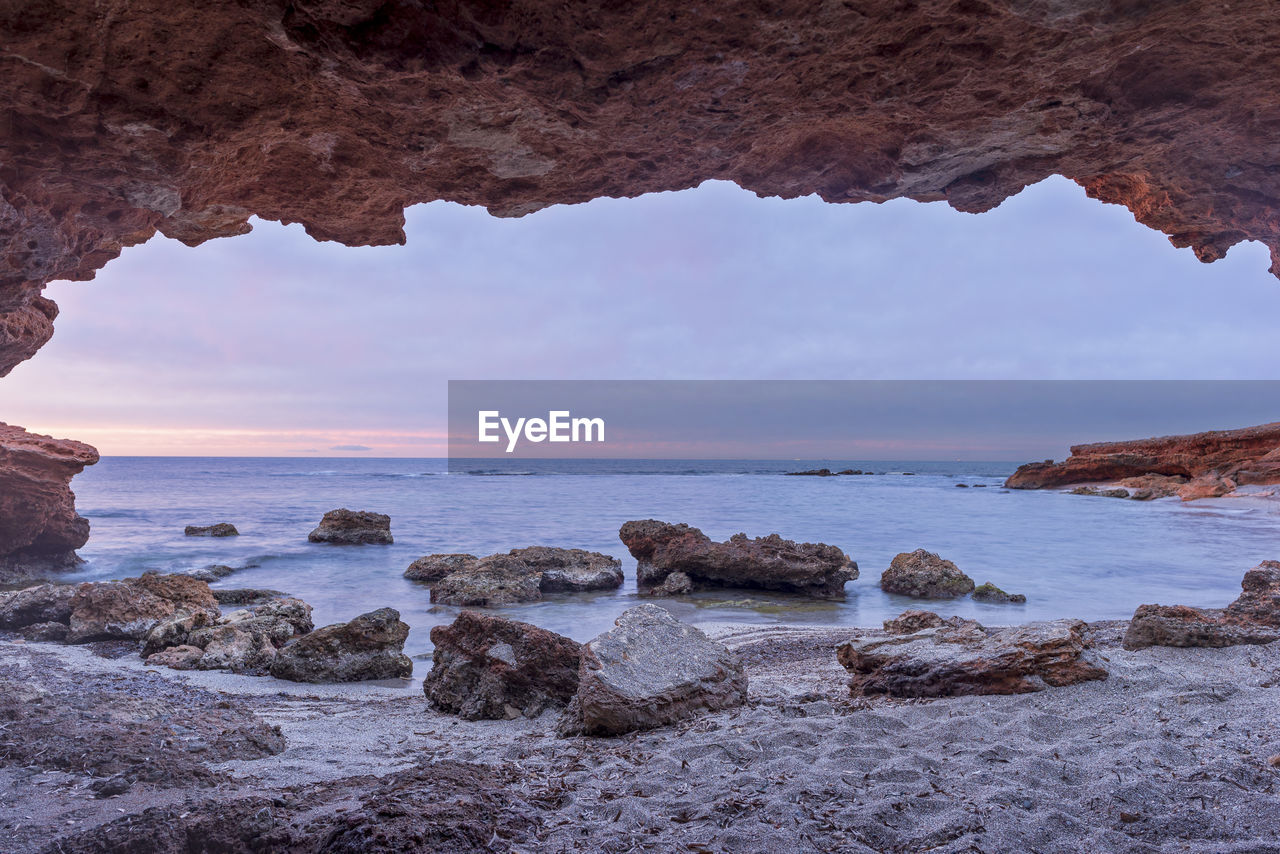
[344, 527]
[221, 529]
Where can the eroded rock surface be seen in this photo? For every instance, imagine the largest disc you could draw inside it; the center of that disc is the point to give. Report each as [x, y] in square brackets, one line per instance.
[766, 563]
[1252, 619]
[925, 575]
[219, 529]
[1199, 465]
[133, 607]
[521, 575]
[572, 570]
[432, 568]
[39, 527]
[368, 647]
[491, 581]
[648, 671]
[490, 667]
[964, 658]
[345, 527]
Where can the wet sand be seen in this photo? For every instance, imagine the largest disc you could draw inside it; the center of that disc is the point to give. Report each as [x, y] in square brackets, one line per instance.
[1172, 753]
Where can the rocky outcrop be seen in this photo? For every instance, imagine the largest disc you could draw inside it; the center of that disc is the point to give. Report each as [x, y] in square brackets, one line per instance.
[39, 527]
[988, 592]
[487, 667]
[1200, 465]
[925, 575]
[368, 647]
[1254, 618]
[219, 529]
[43, 603]
[244, 641]
[521, 575]
[651, 670]
[964, 658]
[765, 563]
[132, 608]
[352, 528]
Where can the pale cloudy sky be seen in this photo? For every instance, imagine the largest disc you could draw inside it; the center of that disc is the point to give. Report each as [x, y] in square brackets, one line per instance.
[274, 344]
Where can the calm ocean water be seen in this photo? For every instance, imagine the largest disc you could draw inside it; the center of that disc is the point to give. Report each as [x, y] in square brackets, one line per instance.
[1072, 556]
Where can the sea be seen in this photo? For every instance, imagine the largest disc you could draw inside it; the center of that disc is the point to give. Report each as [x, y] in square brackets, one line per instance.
[1071, 555]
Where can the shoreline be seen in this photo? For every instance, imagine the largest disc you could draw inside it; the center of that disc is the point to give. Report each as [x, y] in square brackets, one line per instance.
[1169, 753]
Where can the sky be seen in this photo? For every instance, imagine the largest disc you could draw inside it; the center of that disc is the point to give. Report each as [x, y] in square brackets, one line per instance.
[274, 344]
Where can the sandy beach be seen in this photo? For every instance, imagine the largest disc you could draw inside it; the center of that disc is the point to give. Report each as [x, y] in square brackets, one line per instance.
[1176, 751]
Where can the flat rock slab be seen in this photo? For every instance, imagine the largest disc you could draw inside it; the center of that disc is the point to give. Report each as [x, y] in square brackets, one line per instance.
[651, 670]
[487, 667]
[344, 527]
[1253, 618]
[967, 659]
[368, 647]
[764, 563]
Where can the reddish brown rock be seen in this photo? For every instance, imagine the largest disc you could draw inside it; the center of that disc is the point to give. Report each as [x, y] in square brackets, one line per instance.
[132, 608]
[39, 527]
[1214, 462]
[967, 659]
[1254, 617]
[766, 563]
[491, 667]
[122, 120]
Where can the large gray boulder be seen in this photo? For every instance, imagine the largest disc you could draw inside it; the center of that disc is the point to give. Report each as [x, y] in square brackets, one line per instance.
[649, 671]
[344, 527]
[490, 667]
[764, 563]
[368, 647]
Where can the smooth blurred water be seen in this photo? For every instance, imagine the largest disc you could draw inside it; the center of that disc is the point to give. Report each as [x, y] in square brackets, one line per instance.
[1094, 558]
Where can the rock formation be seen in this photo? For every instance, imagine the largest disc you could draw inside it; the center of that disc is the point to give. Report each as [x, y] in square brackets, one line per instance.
[1253, 618]
[432, 568]
[765, 563]
[487, 667]
[521, 575]
[368, 647]
[648, 671]
[988, 592]
[961, 657]
[924, 575]
[220, 529]
[133, 607]
[1199, 465]
[39, 527]
[345, 527]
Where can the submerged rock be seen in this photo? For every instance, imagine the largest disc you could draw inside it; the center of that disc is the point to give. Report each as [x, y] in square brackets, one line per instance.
[42, 603]
[763, 563]
[988, 592]
[436, 567]
[571, 570]
[490, 667]
[344, 527]
[648, 671]
[925, 575]
[494, 580]
[965, 658]
[221, 529]
[368, 647]
[1254, 618]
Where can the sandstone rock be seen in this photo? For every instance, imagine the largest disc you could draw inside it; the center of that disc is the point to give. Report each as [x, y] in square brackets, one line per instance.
[768, 563]
[45, 631]
[39, 527]
[352, 528]
[177, 657]
[648, 671]
[221, 529]
[1254, 618]
[42, 603]
[490, 667]
[494, 580]
[951, 661]
[133, 607]
[988, 592]
[368, 647]
[571, 570]
[1207, 464]
[924, 575]
[432, 568]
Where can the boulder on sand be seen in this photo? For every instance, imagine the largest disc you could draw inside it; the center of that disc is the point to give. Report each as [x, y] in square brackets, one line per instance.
[344, 527]
[487, 667]
[43, 603]
[648, 671]
[924, 575]
[763, 563]
[1254, 617]
[131, 608]
[964, 658]
[243, 641]
[368, 647]
[221, 529]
